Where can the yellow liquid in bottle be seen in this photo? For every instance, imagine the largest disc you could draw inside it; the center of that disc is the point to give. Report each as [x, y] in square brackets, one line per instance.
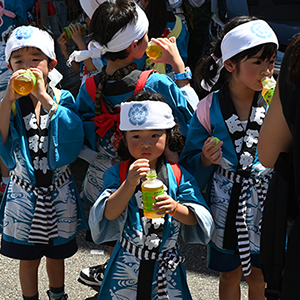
[150, 190]
[153, 51]
[23, 84]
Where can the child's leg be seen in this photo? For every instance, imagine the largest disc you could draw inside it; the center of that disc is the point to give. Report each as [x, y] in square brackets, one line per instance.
[28, 273]
[56, 275]
[229, 285]
[56, 272]
[256, 284]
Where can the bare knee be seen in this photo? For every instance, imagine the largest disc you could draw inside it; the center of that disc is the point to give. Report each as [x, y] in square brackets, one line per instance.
[231, 278]
[256, 278]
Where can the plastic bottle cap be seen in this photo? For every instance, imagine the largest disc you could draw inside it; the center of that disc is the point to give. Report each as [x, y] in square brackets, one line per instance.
[151, 174]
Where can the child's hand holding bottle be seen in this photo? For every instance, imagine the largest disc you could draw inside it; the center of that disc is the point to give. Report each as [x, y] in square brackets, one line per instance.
[170, 54]
[211, 152]
[10, 94]
[137, 170]
[39, 88]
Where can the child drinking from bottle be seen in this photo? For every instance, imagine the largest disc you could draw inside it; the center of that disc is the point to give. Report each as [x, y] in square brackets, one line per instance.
[237, 181]
[41, 134]
[146, 261]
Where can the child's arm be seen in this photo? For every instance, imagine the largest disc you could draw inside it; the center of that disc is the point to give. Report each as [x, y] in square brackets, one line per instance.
[62, 42]
[172, 57]
[78, 39]
[118, 201]
[180, 212]
[5, 106]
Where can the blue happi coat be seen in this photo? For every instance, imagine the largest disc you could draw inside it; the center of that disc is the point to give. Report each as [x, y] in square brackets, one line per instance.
[208, 121]
[65, 139]
[121, 276]
[101, 152]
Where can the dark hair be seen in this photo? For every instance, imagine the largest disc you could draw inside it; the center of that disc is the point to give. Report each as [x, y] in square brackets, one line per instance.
[294, 67]
[206, 68]
[32, 23]
[175, 139]
[108, 19]
[157, 15]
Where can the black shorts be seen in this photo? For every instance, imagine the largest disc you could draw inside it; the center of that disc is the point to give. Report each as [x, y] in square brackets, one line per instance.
[223, 262]
[28, 252]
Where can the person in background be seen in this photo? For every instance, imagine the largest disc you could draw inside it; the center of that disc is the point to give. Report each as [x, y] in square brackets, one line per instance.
[12, 13]
[280, 133]
[40, 135]
[221, 145]
[140, 259]
[120, 40]
[90, 66]
[163, 23]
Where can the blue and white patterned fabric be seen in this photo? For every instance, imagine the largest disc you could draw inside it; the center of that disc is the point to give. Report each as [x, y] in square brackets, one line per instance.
[121, 275]
[219, 186]
[116, 93]
[65, 139]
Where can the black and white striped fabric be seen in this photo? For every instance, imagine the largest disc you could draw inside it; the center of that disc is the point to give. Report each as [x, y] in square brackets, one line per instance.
[44, 222]
[240, 223]
[167, 260]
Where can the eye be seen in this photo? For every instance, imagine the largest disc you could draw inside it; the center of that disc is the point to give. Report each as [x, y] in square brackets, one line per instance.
[257, 62]
[136, 136]
[155, 135]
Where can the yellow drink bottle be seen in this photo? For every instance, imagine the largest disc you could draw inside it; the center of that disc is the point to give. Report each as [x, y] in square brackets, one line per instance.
[151, 188]
[153, 50]
[268, 89]
[66, 30]
[24, 83]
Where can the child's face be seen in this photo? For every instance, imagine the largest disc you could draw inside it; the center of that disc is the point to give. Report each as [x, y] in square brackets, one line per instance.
[250, 72]
[30, 57]
[149, 144]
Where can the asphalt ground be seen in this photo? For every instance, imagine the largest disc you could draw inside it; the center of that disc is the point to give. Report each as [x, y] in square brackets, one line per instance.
[203, 283]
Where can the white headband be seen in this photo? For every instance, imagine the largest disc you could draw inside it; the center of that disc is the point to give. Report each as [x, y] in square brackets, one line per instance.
[120, 41]
[29, 36]
[242, 37]
[89, 6]
[146, 115]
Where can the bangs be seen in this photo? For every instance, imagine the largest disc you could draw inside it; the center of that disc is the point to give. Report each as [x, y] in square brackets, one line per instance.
[268, 50]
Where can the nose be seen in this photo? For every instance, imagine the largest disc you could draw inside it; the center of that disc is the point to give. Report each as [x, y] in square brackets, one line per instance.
[266, 71]
[146, 143]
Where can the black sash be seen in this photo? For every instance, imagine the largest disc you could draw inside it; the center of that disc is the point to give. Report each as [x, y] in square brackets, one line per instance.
[43, 176]
[245, 144]
[147, 266]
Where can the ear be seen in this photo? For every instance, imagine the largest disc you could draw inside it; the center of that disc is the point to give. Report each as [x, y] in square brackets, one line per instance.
[229, 65]
[52, 64]
[9, 67]
[134, 46]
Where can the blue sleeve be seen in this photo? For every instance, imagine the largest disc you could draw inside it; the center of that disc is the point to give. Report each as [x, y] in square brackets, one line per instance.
[190, 156]
[65, 133]
[7, 149]
[86, 109]
[104, 230]
[170, 92]
[189, 195]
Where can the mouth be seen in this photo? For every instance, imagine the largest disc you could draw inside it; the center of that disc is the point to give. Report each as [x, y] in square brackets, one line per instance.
[146, 154]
